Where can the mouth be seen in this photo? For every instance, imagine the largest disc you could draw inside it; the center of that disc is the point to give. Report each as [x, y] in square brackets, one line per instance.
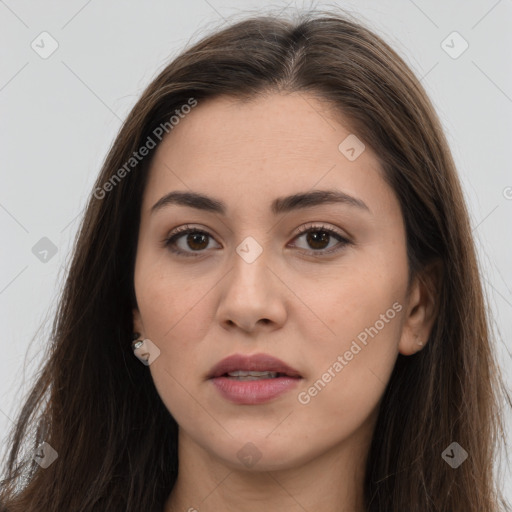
[252, 380]
[248, 375]
[252, 367]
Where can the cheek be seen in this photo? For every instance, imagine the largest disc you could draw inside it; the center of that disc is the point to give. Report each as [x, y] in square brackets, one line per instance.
[175, 318]
[356, 304]
[350, 374]
[171, 302]
[355, 337]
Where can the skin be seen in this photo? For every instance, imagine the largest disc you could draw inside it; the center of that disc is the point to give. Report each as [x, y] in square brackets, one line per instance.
[302, 309]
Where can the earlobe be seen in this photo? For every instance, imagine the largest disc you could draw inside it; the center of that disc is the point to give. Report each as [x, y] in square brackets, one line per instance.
[422, 309]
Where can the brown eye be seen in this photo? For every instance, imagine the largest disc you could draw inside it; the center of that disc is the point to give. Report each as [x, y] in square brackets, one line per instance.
[318, 238]
[196, 241]
[188, 241]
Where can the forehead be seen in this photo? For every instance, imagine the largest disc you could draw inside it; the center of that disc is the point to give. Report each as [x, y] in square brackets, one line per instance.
[248, 153]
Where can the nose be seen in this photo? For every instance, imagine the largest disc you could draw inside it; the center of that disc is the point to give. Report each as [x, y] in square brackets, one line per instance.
[252, 297]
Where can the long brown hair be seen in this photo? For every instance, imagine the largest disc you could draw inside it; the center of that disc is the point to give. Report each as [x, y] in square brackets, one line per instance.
[96, 405]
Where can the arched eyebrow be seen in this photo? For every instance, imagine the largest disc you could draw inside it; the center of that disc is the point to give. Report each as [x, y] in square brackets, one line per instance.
[279, 206]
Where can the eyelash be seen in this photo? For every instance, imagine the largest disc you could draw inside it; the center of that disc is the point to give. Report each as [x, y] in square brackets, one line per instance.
[185, 230]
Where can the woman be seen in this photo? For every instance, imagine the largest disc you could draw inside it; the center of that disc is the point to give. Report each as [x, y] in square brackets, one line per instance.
[274, 284]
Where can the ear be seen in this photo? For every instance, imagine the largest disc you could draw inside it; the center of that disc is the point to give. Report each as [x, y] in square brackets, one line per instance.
[138, 326]
[422, 309]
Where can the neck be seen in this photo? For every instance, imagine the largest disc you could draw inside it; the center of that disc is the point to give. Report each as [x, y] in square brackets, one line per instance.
[331, 482]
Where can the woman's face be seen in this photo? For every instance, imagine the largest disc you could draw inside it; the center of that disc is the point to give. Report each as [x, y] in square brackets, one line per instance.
[265, 275]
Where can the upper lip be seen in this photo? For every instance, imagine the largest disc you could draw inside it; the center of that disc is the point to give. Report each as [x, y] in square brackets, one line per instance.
[255, 362]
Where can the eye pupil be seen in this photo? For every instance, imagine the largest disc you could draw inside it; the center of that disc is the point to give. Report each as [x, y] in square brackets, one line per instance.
[196, 238]
[313, 239]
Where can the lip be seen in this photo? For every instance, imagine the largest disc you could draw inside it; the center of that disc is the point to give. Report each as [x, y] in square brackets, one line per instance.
[256, 391]
[254, 362]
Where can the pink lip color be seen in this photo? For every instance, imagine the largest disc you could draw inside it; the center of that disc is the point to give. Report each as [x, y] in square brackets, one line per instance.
[253, 392]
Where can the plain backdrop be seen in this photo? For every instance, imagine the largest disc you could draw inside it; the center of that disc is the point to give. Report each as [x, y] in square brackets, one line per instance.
[61, 112]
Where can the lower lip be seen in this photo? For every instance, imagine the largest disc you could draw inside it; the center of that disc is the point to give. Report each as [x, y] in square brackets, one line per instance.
[253, 392]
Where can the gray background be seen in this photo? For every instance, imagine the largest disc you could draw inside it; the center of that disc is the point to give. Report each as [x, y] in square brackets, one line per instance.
[60, 114]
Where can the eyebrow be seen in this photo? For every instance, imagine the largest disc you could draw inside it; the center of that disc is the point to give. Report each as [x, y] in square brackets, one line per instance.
[278, 206]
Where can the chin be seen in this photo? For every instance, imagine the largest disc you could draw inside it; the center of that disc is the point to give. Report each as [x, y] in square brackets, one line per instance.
[259, 453]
